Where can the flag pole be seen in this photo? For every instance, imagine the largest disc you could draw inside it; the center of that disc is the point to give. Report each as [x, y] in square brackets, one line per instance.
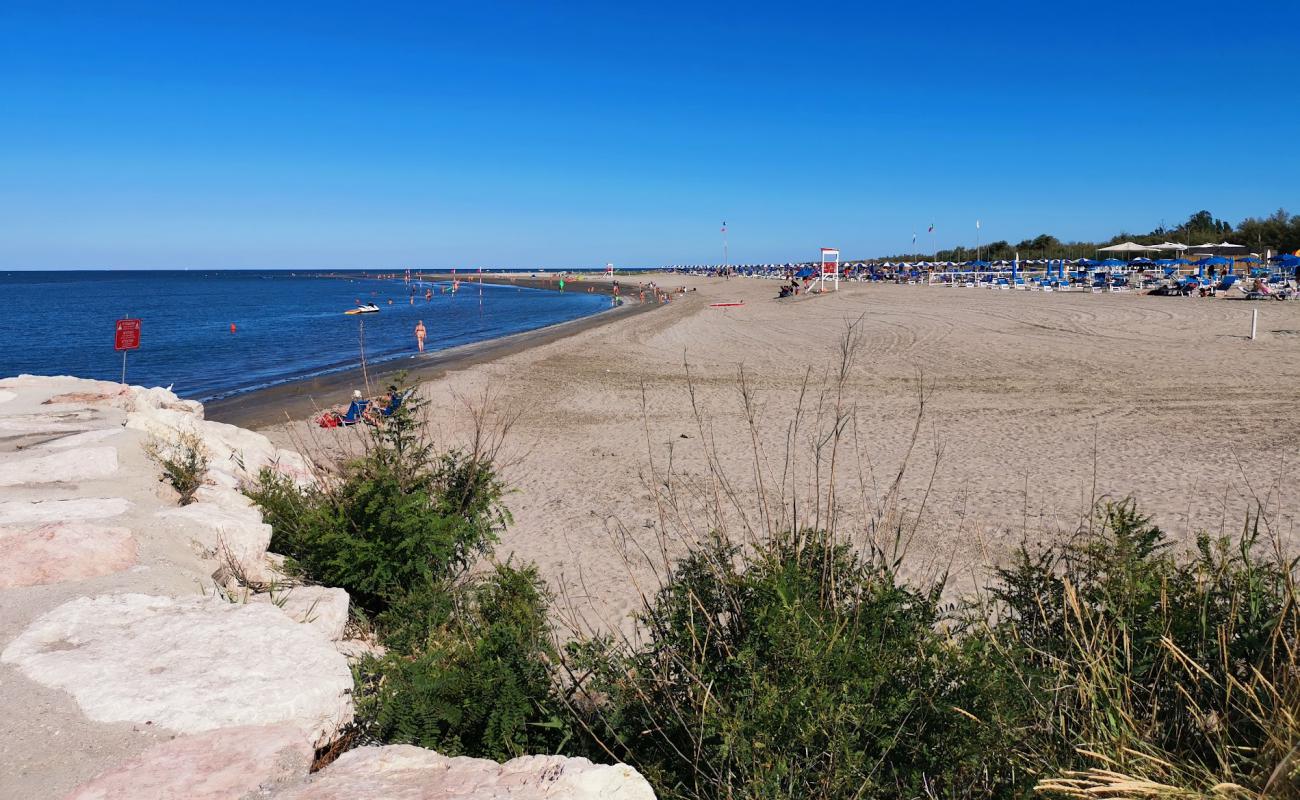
[726, 256]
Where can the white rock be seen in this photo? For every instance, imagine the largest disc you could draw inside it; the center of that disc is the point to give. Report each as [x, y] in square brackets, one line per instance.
[224, 764]
[67, 466]
[52, 421]
[81, 439]
[26, 512]
[191, 665]
[238, 451]
[224, 479]
[321, 608]
[228, 530]
[294, 466]
[63, 551]
[222, 496]
[403, 772]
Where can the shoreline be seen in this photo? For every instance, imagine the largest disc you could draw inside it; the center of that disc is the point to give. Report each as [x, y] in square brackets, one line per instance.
[302, 398]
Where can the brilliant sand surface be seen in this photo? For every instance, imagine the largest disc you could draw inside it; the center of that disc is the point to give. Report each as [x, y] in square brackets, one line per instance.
[1037, 402]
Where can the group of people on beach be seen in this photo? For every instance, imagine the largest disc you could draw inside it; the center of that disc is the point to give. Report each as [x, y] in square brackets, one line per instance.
[371, 410]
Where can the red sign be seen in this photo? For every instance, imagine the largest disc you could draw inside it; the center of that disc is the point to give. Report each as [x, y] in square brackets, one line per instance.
[127, 336]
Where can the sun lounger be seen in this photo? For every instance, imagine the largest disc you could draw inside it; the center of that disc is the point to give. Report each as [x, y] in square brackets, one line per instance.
[355, 413]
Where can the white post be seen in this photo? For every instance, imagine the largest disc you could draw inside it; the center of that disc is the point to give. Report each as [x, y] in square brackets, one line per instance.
[1254, 321]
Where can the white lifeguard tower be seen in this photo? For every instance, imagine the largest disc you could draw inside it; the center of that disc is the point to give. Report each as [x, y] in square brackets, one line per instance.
[830, 269]
[609, 271]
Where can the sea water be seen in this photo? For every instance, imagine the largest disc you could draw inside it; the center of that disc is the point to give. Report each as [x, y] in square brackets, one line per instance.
[286, 325]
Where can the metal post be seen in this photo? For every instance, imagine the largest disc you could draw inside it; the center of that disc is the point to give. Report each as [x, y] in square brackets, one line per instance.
[124, 366]
[1254, 322]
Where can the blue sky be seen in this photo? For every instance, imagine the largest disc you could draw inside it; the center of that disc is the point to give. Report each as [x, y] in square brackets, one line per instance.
[139, 135]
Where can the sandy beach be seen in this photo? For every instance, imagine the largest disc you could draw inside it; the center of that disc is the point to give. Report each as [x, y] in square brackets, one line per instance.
[1036, 403]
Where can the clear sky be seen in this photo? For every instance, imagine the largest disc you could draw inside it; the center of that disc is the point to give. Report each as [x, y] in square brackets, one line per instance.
[229, 134]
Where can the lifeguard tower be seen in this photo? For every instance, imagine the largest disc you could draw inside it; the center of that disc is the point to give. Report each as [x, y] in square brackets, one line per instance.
[830, 269]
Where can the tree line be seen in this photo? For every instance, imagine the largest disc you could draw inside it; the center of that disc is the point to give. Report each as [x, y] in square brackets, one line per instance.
[1279, 232]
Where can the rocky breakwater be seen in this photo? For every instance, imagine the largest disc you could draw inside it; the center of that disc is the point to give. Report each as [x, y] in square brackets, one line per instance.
[152, 650]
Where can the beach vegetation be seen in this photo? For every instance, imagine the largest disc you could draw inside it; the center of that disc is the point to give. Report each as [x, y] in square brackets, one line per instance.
[468, 658]
[1279, 232]
[799, 668]
[402, 517]
[469, 670]
[1135, 659]
[183, 459]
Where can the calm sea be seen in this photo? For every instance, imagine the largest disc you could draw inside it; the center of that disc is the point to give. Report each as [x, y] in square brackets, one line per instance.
[287, 326]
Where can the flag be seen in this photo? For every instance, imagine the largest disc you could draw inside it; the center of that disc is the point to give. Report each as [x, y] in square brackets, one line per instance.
[977, 224]
[931, 228]
[913, 237]
[724, 226]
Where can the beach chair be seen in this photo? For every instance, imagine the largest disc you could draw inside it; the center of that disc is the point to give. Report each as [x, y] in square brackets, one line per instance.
[395, 403]
[378, 415]
[333, 419]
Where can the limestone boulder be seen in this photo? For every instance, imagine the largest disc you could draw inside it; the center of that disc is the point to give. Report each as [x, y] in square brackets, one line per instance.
[27, 512]
[322, 608]
[225, 764]
[62, 466]
[63, 551]
[189, 665]
[83, 439]
[241, 452]
[234, 533]
[403, 772]
[294, 466]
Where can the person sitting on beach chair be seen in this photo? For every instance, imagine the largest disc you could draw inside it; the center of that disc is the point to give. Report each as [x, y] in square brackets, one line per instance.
[355, 413]
[392, 402]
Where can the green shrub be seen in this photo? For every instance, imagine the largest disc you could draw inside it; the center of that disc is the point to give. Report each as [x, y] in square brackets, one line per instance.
[805, 671]
[468, 669]
[1170, 669]
[477, 679]
[398, 520]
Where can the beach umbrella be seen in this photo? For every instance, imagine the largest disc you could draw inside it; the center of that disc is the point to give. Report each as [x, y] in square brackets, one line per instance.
[1214, 261]
[1111, 262]
[1085, 262]
[1126, 247]
[1175, 246]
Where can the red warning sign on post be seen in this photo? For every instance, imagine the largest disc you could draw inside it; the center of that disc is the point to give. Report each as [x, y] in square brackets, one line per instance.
[127, 336]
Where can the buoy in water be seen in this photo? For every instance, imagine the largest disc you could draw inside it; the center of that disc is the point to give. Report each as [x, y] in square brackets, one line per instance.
[232, 327]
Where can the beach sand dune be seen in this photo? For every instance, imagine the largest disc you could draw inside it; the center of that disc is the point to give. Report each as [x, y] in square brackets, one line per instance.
[1036, 403]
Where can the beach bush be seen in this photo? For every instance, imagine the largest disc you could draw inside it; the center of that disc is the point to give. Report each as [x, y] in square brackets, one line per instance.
[1138, 663]
[184, 462]
[797, 669]
[469, 661]
[469, 671]
[402, 518]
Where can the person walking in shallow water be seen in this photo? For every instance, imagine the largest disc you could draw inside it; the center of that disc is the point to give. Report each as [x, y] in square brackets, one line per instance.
[419, 335]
